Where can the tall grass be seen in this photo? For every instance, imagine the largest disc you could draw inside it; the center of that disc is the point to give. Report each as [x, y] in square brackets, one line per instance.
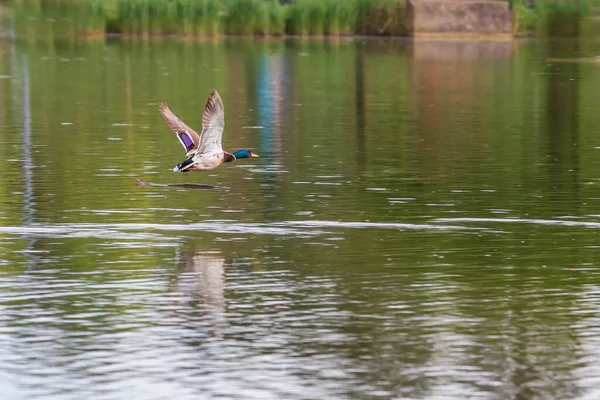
[163, 17]
[254, 17]
[312, 17]
[335, 17]
[381, 17]
[246, 17]
[524, 18]
[298, 18]
[341, 18]
[545, 15]
[562, 6]
[97, 11]
[47, 20]
[249, 17]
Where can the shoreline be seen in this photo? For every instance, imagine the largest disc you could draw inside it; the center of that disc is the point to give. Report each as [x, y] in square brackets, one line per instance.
[278, 39]
[187, 19]
[344, 38]
[90, 20]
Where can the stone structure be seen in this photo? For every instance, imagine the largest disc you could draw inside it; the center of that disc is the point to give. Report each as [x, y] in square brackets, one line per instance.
[458, 18]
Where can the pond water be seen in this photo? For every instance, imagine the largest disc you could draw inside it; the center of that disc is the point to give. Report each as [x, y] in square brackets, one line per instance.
[423, 222]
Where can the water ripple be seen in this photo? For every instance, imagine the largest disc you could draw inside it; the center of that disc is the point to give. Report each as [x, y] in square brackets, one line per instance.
[139, 231]
[586, 224]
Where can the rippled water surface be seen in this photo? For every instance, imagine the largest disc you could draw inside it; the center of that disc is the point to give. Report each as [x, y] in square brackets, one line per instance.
[423, 221]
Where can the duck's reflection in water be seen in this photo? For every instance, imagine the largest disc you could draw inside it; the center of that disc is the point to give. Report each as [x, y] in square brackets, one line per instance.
[204, 277]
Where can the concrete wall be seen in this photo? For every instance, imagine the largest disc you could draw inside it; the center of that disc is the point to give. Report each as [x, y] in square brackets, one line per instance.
[458, 18]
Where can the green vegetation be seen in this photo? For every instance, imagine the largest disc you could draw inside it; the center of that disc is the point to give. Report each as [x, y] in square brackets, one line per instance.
[213, 17]
[47, 20]
[542, 15]
[524, 18]
[254, 17]
[162, 17]
[334, 17]
[85, 18]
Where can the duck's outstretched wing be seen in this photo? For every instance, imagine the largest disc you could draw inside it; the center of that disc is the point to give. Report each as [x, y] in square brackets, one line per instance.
[213, 123]
[187, 136]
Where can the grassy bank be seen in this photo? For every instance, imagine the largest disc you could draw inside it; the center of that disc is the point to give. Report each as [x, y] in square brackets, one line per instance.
[35, 19]
[215, 17]
[202, 18]
[258, 17]
[542, 16]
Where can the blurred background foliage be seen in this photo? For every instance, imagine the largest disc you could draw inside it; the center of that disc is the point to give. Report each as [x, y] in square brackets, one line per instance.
[201, 18]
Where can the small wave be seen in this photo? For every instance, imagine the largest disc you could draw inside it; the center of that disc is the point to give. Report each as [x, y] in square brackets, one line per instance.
[139, 231]
[371, 225]
[524, 221]
[158, 232]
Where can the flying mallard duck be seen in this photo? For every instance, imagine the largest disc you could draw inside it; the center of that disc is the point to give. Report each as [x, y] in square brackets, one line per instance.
[204, 151]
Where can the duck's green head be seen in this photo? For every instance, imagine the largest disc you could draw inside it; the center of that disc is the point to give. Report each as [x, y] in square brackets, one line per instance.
[244, 153]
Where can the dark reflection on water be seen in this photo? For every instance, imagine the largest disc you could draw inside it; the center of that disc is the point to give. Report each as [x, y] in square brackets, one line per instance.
[422, 222]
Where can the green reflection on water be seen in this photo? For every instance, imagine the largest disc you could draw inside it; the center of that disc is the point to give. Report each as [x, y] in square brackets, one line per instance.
[426, 134]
